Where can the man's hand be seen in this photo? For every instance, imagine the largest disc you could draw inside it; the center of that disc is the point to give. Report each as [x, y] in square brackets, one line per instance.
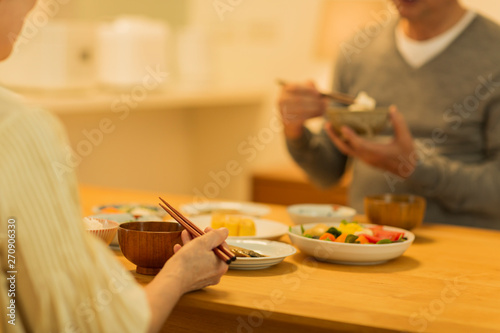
[398, 157]
[297, 103]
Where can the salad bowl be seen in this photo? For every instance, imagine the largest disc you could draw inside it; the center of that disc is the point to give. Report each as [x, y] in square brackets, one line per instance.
[349, 253]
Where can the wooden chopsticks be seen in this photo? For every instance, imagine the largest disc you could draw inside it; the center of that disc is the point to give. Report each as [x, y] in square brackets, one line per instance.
[221, 251]
[336, 96]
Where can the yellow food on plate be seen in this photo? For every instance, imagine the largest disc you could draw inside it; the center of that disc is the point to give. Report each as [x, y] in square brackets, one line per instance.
[317, 230]
[237, 225]
[233, 225]
[349, 228]
[247, 227]
[218, 221]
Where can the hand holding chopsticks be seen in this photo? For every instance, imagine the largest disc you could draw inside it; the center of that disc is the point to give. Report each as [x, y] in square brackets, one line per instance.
[221, 251]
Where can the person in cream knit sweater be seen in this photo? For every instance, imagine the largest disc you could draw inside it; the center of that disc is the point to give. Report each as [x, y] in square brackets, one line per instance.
[58, 278]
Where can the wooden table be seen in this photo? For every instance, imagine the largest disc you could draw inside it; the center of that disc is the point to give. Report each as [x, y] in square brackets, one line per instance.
[447, 281]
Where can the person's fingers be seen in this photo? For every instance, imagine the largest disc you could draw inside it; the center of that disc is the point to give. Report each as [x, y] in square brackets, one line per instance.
[338, 141]
[207, 229]
[186, 237]
[311, 84]
[302, 104]
[301, 89]
[300, 98]
[401, 130]
[177, 247]
[299, 108]
[214, 238]
[325, 102]
[353, 140]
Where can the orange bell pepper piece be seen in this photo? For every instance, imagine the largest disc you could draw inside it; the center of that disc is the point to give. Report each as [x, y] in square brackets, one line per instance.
[362, 240]
[341, 238]
[327, 236]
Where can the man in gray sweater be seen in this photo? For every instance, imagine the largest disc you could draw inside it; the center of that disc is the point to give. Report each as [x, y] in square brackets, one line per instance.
[439, 64]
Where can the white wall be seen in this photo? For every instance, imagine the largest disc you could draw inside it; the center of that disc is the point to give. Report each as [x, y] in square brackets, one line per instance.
[490, 8]
[254, 43]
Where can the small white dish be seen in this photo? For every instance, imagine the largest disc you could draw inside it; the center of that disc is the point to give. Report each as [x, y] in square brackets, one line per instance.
[243, 208]
[276, 252]
[264, 229]
[102, 228]
[347, 253]
[320, 213]
[119, 218]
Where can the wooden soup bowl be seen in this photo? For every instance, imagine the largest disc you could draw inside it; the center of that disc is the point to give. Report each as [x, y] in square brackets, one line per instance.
[404, 211]
[149, 244]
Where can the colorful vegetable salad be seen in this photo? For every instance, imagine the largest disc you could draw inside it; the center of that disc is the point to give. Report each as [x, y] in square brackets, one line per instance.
[353, 232]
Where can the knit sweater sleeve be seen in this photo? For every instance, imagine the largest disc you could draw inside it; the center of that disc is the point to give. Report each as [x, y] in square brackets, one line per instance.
[318, 157]
[464, 187]
[314, 152]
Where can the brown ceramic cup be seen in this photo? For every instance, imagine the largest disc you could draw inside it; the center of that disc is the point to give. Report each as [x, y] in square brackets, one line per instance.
[149, 245]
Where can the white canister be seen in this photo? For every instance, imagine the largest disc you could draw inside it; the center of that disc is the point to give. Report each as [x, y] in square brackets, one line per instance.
[58, 55]
[129, 48]
[194, 57]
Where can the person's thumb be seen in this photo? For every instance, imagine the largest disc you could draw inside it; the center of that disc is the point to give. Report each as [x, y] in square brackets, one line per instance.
[311, 85]
[401, 130]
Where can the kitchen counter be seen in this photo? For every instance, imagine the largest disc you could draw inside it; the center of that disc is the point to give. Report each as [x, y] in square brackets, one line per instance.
[138, 97]
[110, 128]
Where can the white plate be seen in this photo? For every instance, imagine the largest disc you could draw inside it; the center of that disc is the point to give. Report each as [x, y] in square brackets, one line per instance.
[346, 253]
[152, 212]
[264, 229]
[321, 213]
[276, 252]
[243, 208]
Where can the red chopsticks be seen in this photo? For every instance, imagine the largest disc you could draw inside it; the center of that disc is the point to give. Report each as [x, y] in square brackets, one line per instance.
[221, 251]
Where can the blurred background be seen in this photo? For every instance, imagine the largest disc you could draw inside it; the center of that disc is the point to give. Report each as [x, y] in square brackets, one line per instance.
[179, 96]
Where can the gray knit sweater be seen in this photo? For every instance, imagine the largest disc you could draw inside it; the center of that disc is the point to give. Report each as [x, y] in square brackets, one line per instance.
[452, 105]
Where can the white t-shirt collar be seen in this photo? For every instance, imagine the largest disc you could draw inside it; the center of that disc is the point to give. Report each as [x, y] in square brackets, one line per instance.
[417, 53]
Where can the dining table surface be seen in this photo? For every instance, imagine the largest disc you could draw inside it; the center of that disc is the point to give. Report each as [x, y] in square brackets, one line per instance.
[447, 281]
